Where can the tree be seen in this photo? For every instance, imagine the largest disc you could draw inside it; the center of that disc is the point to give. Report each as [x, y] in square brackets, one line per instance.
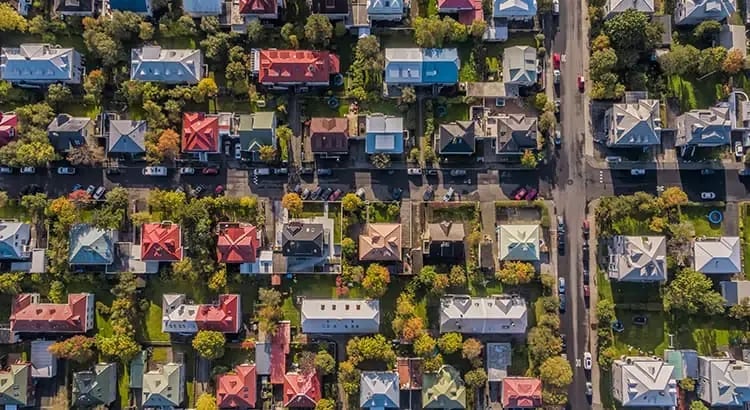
[86, 155]
[325, 404]
[10, 283]
[209, 24]
[58, 94]
[515, 273]
[528, 159]
[602, 61]
[205, 89]
[543, 344]
[412, 328]
[631, 31]
[349, 377]
[692, 292]
[306, 361]
[381, 160]
[348, 248]
[209, 344]
[145, 31]
[424, 345]
[472, 348]
[600, 42]
[10, 20]
[375, 348]
[687, 384]
[457, 276]
[235, 71]
[324, 363]
[77, 348]
[698, 405]
[681, 60]
[430, 31]
[475, 378]
[267, 153]
[94, 86]
[605, 312]
[376, 280]
[540, 101]
[255, 31]
[432, 364]
[293, 203]
[547, 122]
[673, 196]
[218, 280]
[367, 52]
[741, 311]
[734, 62]
[711, 60]
[168, 145]
[318, 29]
[351, 202]
[450, 343]
[556, 372]
[706, 30]
[408, 95]
[206, 401]
[118, 346]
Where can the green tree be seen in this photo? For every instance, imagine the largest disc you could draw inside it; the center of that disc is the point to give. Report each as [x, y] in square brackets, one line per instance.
[602, 61]
[528, 159]
[145, 31]
[375, 347]
[209, 344]
[408, 95]
[324, 363]
[10, 283]
[318, 29]
[681, 60]
[56, 292]
[209, 24]
[457, 276]
[206, 401]
[707, 30]
[348, 248]
[631, 31]
[515, 273]
[58, 94]
[119, 346]
[349, 377]
[673, 196]
[205, 89]
[431, 31]
[255, 31]
[351, 202]
[432, 364]
[475, 378]
[740, 311]
[10, 20]
[267, 153]
[692, 292]
[556, 371]
[543, 343]
[376, 280]
[424, 345]
[711, 60]
[697, 405]
[540, 101]
[77, 348]
[325, 404]
[472, 348]
[292, 203]
[236, 71]
[687, 384]
[380, 160]
[605, 312]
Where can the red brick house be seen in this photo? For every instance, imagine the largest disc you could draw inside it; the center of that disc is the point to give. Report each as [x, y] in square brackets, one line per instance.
[30, 315]
[161, 242]
[237, 243]
[200, 133]
[237, 390]
[295, 67]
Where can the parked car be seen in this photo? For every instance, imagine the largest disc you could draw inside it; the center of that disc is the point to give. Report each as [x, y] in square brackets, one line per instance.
[744, 172]
[316, 193]
[519, 194]
[326, 194]
[561, 286]
[6, 170]
[28, 170]
[197, 191]
[76, 187]
[560, 224]
[219, 190]
[585, 275]
[238, 151]
[155, 171]
[556, 61]
[297, 189]
[306, 171]
[324, 172]
[640, 320]
[66, 171]
[281, 171]
[305, 194]
[458, 172]
[99, 193]
[587, 361]
[91, 189]
[336, 195]
[581, 83]
[210, 171]
[707, 171]
[637, 172]
[739, 150]
[414, 171]
[397, 193]
[431, 172]
[589, 389]
[562, 304]
[586, 229]
[448, 195]
[556, 77]
[586, 291]
[114, 171]
[262, 171]
[531, 195]
[564, 341]
[555, 7]
[429, 194]
[187, 171]
[613, 159]
[708, 195]
[558, 138]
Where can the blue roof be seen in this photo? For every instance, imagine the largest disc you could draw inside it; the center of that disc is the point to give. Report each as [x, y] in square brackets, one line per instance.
[90, 246]
[424, 66]
[152, 63]
[127, 137]
[385, 143]
[202, 7]
[394, 7]
[41, 63]
[136, 6]
[514, 8]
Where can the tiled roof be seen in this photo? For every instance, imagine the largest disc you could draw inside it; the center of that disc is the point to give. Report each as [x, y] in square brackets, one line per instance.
[302, 239]
[329, 134]
[301, 390]
[237, 243]
[258, 7]
[30, 316]
[296, 66]
[380, 242]
[237, 389]
[8, 124]
[280, 342]
[164, 387]
[182, 317]
[161, 242]
[522, 392]
[200, 132]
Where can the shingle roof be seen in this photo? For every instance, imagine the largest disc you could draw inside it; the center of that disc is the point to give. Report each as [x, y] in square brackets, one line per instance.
[127, 137]
[302, 239]
[619, 6]
[200, 132]
[514, 132]
[444, 390]
[644, 382]
[14, 385]
[498, 360]
[333, 7]
[136, 6]
[90, 246]
[458, 137]
[723, 381]
[634, 124]
[171, 66]
[258, 7]
[164, 387]
[66, 131]
[180, 316]
[202, 7]
[329, 134]
[421, 65]
[74, 7]
[734, 291]
[8, 124]
[497, 314]
[380, 242]
[514, 8]
[14, 237]
[385, 8]
[519, 65]
[718, 255]
[689, 12]
[256, 129]
[519, 242]
[379, 390]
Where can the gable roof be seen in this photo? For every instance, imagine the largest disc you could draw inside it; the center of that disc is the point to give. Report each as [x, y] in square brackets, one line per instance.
[497, 314]
[455, 4]
[340, 316]
[15, 238]
[171, 66]
[620, 6]
[257, 129]
[280, 347]
[258, 7]
[704, 128]
[28, 315]
[296, 66]
[514, 133]
[127, 137]
[380, 242]
[457, 137]
[40, 63]
[638, 258]
[164, 387]
[421, 66]
[644, 381]
[200, 132]
[136, 6]
[519, 242]
[90, 246]
[384, 134]
[74, 7]
[446, 231]
[238, 388]
[180, 316]
[237, 243]
[333, 7]
[301, 390]
[723, 381]
[519, 65]
[198, 8]
[329, 134]
[521, 392]
[734, 291]
[161, 242]
[15, 385]
[302, 239]
[514, 8]
[634, 124]
[718, 255]
[688, 12]
[444, 390]
[97, 387]
[8, 125]
[385, 7]
[379, 390]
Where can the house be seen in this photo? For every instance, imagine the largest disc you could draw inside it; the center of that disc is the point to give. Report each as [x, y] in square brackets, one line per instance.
[73, 7]
[519, 243]
[517, 10]
[43, 364]
[385, 10]
[633, 125]
[237, 243]
[704, 128]
[723, 382]
[40, 64]
[302, 390]
[329, 136]
[66, 132]
[127, 137]
[8, 127]
[733, 36]
[409, 373]
[96, 387]
[340, 316]
[468, 10]
[735, 291]
[164, 387]
[294, 67]
[261, 9]
[255, 130]
[201, 8]
[693, 12]
[271, 351]
[301, 239]
[615, 7]
[333, 9]
[643, 382]
[237, 389]
[128, 259]
[717, 256]
[16, 388]
[456, 138]
[90, 245]
[181, 316]
[493, 315]
[638, 259]
[142, 7]
[685, 362]
[521, 393]
[513, 133]
[498, 360]
[379, 390]
[444, 389]
[30, 315]
[15, 240]
[421, 66]
[200, 133]
[444, 240]
[384, 134]
[161, 242]
[380, 242]
[520, 66]
[168, 66]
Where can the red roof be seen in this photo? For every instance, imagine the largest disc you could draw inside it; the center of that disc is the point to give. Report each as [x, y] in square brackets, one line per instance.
[237, 390]
[237, 243]
[258, 7]
[297, 66]
[223, 317]
[279, 349]
[301, 390]
[27, 315]
[200, 133]
[455, 4]
[8, 124]
[161, 242]
[522, 392]
[329, 134]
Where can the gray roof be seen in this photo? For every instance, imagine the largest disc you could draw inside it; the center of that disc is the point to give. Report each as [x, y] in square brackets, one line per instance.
[612, 7]
[644, 382]
[127, 137]
[496, 314]
[302, 239]
[97, 387]
[340, 316]
[691, 12]
[734, 291]
[498, 360]
[718, 255]
[733, 36]
[519, 242]
[43, 364]
[379, 390]
[164, 387]
[263, 357]
[519, 65]
[723, 381]
[152, 63]
[74, 7]
[15, 237]
[66, 131]
[256, 129]
[685, 362]
[704, 128]
[634, 124]
[514, 132]
[40, 63]
[457, 137]
[383, 124]
[638, 259]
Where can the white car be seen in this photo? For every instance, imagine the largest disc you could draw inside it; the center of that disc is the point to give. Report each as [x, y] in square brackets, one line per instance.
[99, 193]
[414, 171]
[587, 361]
[556, 76]
[708, 195]
[66, 171]
[637, 171]
[6, 170]
[28, 170]
[448, 195]
[556, 6]
[154, 171]
[187, 171]
[238, 151]
[739, 150]
[589, 389]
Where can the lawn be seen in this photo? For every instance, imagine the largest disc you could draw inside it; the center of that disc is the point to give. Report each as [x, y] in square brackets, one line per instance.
[314, 286]
[318, 107]
[377, 212]
[698, 216]
[455, 112]
[13, 210]
[632, 226]
[693, 93]
[154, 291]
[745, 228]
[313, 209]
[454, 213]
[160, 354]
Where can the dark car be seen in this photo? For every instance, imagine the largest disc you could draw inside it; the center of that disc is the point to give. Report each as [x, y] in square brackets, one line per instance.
[585, 275]
[306, 171]
[336, 195]
[640, 320]
[586, 229]
[297, 189]
[325, 172]
[429, 194]
[326, 194]
[197, 191]
[430, 172]
[210, 171]
[564, 340]
[114, 171]
[586, 291]
[316, 193]
[562, 305]
[397, 193]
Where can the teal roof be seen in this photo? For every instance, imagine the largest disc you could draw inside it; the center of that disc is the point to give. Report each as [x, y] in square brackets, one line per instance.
[90, 246]
[97, 387]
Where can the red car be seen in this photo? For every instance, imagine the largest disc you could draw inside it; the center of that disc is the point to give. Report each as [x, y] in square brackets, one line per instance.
[531, 195]
[520, 194]
[556, 61]
[581, 83]
[210, 171]
[586, 228]
[586, 291]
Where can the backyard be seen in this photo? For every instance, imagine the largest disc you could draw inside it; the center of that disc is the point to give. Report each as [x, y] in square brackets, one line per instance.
[695, 93]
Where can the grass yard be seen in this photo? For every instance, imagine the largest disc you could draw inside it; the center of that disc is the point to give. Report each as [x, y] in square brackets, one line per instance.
[234, 356]
[695, 93]
[454, 213]
[455, 112]
[745, 228]
[14, 210]
[314, 286]
[160, 354]
[632, 226]
[318, 107]
[698, 215]
[377, 212]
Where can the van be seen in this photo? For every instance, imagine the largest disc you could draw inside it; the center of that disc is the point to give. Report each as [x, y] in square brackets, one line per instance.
[262, 171]
[155, 171]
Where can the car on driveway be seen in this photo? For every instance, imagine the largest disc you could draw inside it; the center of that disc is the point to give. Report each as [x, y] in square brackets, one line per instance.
[448, 195]
[90, 190]
[316, 193]
[99, 193]
[587, 361]
[531, 195]
[336, 195]
[739, 150]
[519, 194]
[305, 194]
[28, 170]
[187, 171]
[708, 195]
[66, 171]
[210, 171]
[640, 320]
[326, 194]
[637, 172]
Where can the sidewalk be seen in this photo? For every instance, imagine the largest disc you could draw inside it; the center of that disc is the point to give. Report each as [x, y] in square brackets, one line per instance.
[593, 299]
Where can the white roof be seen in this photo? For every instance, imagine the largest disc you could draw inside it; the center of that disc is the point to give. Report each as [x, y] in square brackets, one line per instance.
[638, 259]
[644, 381]
[718, 255]
[635, 124]
[383, 124]
[519, 242]
[15, 237]
[723, 382]
[497, 314]
[178, 316]
[620, 6]
[343, 316]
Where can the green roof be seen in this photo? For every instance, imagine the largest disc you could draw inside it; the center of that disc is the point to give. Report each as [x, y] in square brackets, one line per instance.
[443, 390]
